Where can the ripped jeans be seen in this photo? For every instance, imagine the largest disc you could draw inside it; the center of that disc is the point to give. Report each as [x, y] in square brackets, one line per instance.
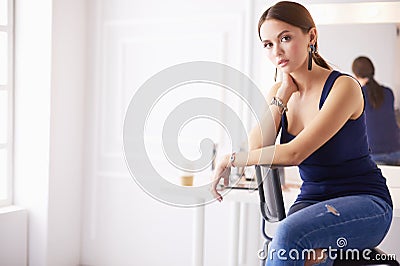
[336, 225]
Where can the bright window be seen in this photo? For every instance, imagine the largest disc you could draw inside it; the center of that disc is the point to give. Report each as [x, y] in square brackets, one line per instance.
[6, 99]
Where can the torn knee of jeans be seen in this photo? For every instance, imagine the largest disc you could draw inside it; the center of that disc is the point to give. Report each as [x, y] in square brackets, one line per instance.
[332, 210]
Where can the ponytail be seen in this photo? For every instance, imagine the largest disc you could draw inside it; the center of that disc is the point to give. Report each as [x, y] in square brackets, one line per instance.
[320, 61]
[364, 68]
[375, 93]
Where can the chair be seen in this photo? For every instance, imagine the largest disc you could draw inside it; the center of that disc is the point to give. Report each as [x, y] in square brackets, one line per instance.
[273, 210]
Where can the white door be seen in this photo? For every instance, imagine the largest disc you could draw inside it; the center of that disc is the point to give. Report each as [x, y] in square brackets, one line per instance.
[130, 41]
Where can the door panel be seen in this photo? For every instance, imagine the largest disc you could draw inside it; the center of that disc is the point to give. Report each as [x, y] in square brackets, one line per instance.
[129, 41]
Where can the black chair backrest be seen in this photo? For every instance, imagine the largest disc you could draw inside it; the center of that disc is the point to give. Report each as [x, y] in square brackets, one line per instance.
[270, 191]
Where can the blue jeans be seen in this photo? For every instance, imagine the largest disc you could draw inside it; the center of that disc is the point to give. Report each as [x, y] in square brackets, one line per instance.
[350, 222]
[392, 158]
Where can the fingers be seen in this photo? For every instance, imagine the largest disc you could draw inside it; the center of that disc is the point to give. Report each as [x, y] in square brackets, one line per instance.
[285, 77]
[287, 80]
[226, 177]
[287, 88]
[221, 172]
[214, 191]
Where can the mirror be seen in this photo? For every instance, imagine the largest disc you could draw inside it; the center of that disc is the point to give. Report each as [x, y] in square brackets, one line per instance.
[378, 42]
[347, 31]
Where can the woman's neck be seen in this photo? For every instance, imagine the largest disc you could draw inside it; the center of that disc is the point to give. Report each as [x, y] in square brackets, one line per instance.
[305, 79]
[362, 81]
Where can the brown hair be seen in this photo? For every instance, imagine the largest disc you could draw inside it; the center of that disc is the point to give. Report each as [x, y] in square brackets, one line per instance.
[362, 67]
[294, 14]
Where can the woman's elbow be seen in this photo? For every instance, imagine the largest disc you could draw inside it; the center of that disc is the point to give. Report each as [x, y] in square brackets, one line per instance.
[293, 161]
[294, 157]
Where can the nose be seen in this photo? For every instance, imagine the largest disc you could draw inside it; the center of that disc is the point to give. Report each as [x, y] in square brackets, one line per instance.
[277, 50]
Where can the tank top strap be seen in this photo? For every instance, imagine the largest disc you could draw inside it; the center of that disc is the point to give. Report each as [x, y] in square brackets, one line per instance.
[328, 86]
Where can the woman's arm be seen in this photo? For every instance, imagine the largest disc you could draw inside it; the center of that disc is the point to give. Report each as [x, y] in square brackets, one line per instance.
[345, 101]
[264, 133]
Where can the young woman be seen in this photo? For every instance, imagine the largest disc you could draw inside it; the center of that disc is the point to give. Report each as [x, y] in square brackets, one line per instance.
[344, 196]
[382, 129]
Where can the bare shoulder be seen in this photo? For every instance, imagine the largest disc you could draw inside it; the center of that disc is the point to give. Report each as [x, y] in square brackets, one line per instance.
[347, 84]
[346, 89]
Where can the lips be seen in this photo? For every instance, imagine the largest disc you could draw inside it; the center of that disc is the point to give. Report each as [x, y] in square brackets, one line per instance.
[283, 62]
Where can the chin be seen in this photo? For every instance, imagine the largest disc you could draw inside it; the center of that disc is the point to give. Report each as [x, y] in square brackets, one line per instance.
[285, 70]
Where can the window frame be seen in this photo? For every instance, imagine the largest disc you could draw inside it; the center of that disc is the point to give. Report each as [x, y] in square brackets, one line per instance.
[9, 88]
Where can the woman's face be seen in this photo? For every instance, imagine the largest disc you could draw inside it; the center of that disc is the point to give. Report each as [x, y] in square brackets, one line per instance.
[286, 45]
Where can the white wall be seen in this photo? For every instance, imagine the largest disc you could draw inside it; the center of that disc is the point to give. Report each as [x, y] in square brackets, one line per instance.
[68, 86]
[49, 91]
[32, 123]
[14, 236]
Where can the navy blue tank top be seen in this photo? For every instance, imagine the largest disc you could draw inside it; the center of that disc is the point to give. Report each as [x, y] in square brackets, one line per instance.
[342, 166]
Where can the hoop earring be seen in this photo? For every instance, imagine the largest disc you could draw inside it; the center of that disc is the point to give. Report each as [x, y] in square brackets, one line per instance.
[312, 50]
[276, 73]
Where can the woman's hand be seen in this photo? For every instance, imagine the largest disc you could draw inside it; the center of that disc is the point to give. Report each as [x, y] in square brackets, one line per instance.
[223, 170]
[287, 88]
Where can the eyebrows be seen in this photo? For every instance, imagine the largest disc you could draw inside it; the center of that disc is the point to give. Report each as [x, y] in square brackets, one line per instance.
[277, 36]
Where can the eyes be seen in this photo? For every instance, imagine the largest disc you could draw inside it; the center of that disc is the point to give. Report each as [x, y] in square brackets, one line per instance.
[285, 38]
